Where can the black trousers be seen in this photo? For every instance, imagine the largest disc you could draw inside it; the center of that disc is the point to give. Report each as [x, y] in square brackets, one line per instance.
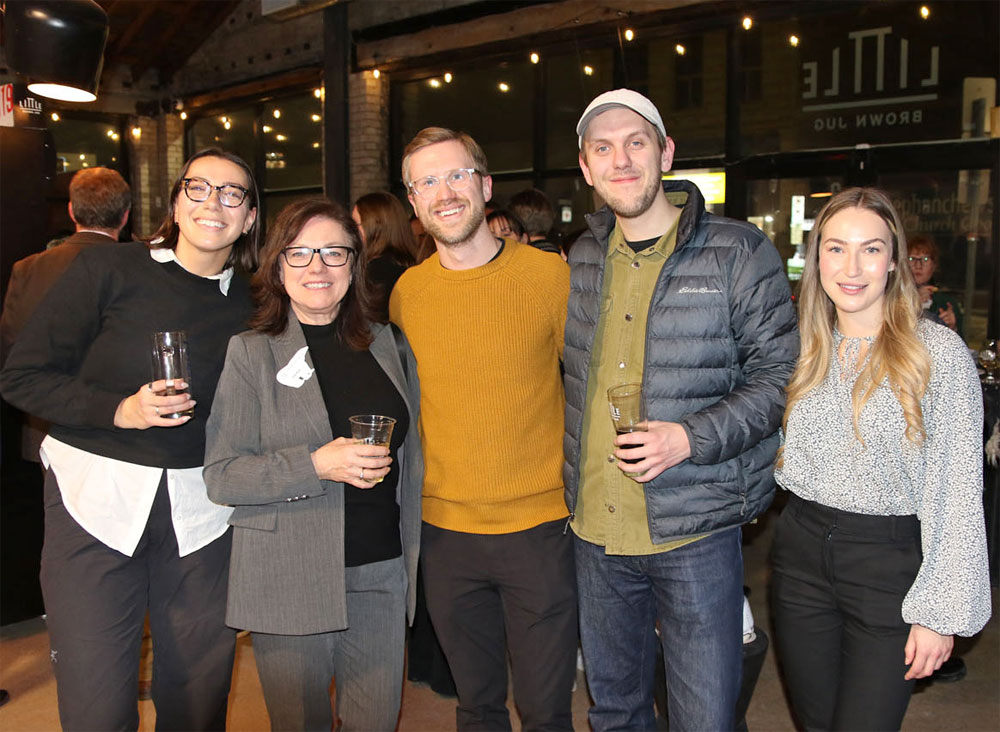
[97, 598]
[837, 592]
[490, 593]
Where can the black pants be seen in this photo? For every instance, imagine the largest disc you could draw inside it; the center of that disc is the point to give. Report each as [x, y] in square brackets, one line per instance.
[490, 593]
[838, 585]
[97, 598]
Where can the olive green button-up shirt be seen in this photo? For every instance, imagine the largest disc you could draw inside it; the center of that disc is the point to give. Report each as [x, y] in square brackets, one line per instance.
[611, 508]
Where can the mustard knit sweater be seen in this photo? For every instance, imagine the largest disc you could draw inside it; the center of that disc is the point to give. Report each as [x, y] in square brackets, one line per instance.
[488, 342]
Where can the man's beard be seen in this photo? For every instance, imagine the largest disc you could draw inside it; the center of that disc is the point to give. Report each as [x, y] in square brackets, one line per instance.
[634, 207]
[454, 237]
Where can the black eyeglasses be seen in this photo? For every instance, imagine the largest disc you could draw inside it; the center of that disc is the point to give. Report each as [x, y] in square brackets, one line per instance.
[330, 256]
[200, 190]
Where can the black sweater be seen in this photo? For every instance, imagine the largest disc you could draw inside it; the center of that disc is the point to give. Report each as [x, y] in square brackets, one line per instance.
[87, 347]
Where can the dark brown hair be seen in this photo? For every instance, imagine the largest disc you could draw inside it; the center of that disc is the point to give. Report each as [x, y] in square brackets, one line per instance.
[534, 210]
[245, 249]
[386, 228]
[271, 315]
[100, 198]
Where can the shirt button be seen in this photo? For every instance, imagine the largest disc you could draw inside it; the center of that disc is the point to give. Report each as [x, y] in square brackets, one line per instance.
[628, 317]
[611, 509]
[635, 264]
[621, 364]
[611, 458]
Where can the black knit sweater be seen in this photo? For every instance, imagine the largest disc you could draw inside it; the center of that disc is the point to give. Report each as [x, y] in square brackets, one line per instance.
[87, 347]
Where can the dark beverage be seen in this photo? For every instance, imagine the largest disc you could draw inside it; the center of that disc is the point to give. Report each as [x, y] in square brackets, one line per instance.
[626, 446]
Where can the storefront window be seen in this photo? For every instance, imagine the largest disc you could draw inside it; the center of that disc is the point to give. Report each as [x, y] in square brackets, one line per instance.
[953, 209]
[571, 81]
[494, 104]
[86, 143]
[232, 130]
[876, 73]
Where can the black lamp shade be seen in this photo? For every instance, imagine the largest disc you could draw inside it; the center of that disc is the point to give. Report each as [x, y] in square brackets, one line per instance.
[57, 43]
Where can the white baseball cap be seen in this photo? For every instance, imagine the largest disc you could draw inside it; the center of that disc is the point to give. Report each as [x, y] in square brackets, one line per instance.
[621, 98]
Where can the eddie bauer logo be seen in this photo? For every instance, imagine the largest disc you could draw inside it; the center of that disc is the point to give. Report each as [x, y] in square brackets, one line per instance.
[698, 291]
[865, 62]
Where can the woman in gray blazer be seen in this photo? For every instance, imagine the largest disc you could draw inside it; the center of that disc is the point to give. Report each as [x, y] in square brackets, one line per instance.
[326, 529]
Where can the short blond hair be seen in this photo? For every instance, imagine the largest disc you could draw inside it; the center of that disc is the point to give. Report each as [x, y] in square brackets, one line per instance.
[432, 136]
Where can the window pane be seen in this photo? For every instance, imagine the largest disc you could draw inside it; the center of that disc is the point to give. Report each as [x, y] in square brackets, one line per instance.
[492, 104]
[86, 144]
[571, 82]
[236, 138]
[687, 83]
[293, 143]
[876, 73]
[954, 209]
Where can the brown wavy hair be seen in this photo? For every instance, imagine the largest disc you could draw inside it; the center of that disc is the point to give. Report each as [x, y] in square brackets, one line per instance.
[353, 322]
[897, 356]
[100, 198]
[386, 228]
[245, 250]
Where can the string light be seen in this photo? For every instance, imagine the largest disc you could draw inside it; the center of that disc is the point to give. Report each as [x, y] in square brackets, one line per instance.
[137, 132]
[280, 138]
[55, 117]
[315, 118]
[447, 78]
[184, 115]
[680, 49]
[925, 12]
[629, 34]
[794, 40]
[435, 83]
[534, 57]
[588, 70]
[503, 86]
[747, 22]
[266, 129]
[376, 73]
[277, 114]
[228, 125]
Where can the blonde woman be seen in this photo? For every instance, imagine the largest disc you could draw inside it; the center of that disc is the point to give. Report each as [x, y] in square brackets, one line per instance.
[879, 558]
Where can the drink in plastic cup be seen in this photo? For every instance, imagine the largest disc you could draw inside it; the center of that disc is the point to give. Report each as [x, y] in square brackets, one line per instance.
[628, 414]
[372, 429]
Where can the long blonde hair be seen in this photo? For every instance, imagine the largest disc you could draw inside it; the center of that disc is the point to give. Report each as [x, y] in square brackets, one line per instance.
[897, 354]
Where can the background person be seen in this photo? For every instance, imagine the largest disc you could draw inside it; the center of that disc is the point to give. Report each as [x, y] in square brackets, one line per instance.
[389, 246]
[99, 205]
[940, 306]
[128, 524]
[506, 225]
[879, 557]
[534, 210]
[326, 529]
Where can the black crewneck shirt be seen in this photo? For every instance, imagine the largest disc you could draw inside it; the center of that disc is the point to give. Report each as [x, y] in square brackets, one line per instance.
[352, 382]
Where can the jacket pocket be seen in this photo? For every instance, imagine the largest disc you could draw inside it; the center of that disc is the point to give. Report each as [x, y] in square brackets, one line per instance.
[263, 518]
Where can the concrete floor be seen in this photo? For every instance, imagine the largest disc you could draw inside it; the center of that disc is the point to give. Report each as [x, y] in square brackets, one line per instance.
[972, 704]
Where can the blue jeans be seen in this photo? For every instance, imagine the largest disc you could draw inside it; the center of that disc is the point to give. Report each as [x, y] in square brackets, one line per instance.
[696, 594]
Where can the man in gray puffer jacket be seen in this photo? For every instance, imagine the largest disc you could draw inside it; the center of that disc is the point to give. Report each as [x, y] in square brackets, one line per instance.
[696, 308]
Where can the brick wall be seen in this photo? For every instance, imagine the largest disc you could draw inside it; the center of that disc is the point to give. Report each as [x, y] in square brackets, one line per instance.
[369, 120]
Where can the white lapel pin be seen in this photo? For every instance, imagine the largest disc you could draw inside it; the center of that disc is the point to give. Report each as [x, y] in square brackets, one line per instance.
[296, 372]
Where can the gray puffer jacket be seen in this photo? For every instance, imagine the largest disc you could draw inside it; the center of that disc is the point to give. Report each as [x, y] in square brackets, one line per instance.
[721, 342]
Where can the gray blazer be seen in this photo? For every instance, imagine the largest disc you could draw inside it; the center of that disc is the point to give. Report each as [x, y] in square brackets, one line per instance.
[286, 575]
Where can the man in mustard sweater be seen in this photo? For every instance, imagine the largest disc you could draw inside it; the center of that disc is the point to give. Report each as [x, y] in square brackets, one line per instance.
[485, 317]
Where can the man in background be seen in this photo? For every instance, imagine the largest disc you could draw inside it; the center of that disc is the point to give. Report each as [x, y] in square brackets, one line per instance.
[99, 205]
[534, 210]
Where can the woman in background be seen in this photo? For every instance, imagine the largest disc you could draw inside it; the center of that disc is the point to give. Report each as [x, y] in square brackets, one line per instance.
[879, 558]
[326, 528]
[128, 525]
[939, 305]
[389, 246]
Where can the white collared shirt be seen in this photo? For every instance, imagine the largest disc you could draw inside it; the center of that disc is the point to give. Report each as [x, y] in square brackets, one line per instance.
[111, 499]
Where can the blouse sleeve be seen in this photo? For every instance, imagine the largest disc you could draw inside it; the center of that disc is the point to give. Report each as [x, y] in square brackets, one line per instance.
[237, 470]
[951, 592]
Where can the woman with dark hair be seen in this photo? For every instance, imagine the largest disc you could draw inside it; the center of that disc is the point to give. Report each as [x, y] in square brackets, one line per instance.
[389, 245]
[506, 225]
[128, 525]
[326, 528]
[879, 558]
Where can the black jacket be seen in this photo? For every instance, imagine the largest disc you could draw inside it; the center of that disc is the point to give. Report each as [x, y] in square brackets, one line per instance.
[721, 342]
